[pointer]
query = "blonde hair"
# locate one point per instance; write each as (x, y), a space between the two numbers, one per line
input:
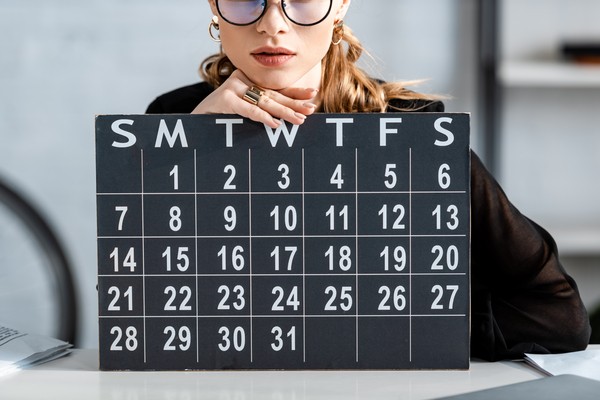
(345, 87)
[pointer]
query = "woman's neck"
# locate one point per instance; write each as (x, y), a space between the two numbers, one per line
(311, 80)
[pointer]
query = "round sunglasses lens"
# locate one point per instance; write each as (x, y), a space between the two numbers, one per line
(241, 12)
(307, 12)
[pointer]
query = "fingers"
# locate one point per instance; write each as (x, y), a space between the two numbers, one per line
(280, 106)
(291, 104)
(295, 98)
(256, 113)
(299, 93)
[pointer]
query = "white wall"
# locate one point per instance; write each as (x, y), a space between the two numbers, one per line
(551, 131)
(534, 29)
(64, 61)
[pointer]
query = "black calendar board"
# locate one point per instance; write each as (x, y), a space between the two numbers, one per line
(343, 243)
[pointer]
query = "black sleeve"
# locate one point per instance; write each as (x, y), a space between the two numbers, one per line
(522, 298)
(180, 101)
(155, 107)
(415, 105)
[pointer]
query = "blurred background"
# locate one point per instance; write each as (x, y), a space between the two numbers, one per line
(533, 111)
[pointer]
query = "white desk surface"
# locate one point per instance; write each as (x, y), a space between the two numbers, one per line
(77, 377)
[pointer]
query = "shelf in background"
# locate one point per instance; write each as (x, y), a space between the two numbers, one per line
(548, 74)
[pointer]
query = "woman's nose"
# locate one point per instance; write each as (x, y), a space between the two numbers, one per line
(273, 20)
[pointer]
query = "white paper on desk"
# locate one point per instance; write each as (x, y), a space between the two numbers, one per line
(21, 350)
(583, 363)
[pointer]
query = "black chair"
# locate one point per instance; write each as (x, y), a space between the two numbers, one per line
(37, 294)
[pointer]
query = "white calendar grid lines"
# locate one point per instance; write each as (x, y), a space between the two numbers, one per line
(294, 275)
(280, 236)
(291, 275)
(356, 239)
(250, 241)
(303, 268)
(196, 247)
(410, 254)
(304, 236)
(289, 316)
(289, 193)
(143, 254)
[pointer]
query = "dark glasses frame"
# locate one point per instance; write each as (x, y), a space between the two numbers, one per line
(282, 7)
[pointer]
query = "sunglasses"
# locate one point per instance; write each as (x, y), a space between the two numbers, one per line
(300, 12)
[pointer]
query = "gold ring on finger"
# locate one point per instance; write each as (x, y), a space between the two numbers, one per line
(253, 95)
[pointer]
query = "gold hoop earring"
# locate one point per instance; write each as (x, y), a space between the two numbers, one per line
(338, 30)
(214, 23)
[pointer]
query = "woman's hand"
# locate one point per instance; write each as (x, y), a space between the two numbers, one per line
(289, 104)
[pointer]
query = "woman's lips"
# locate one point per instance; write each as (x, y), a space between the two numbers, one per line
(272, 57)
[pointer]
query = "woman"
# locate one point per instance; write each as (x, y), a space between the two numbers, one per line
(286, 60)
